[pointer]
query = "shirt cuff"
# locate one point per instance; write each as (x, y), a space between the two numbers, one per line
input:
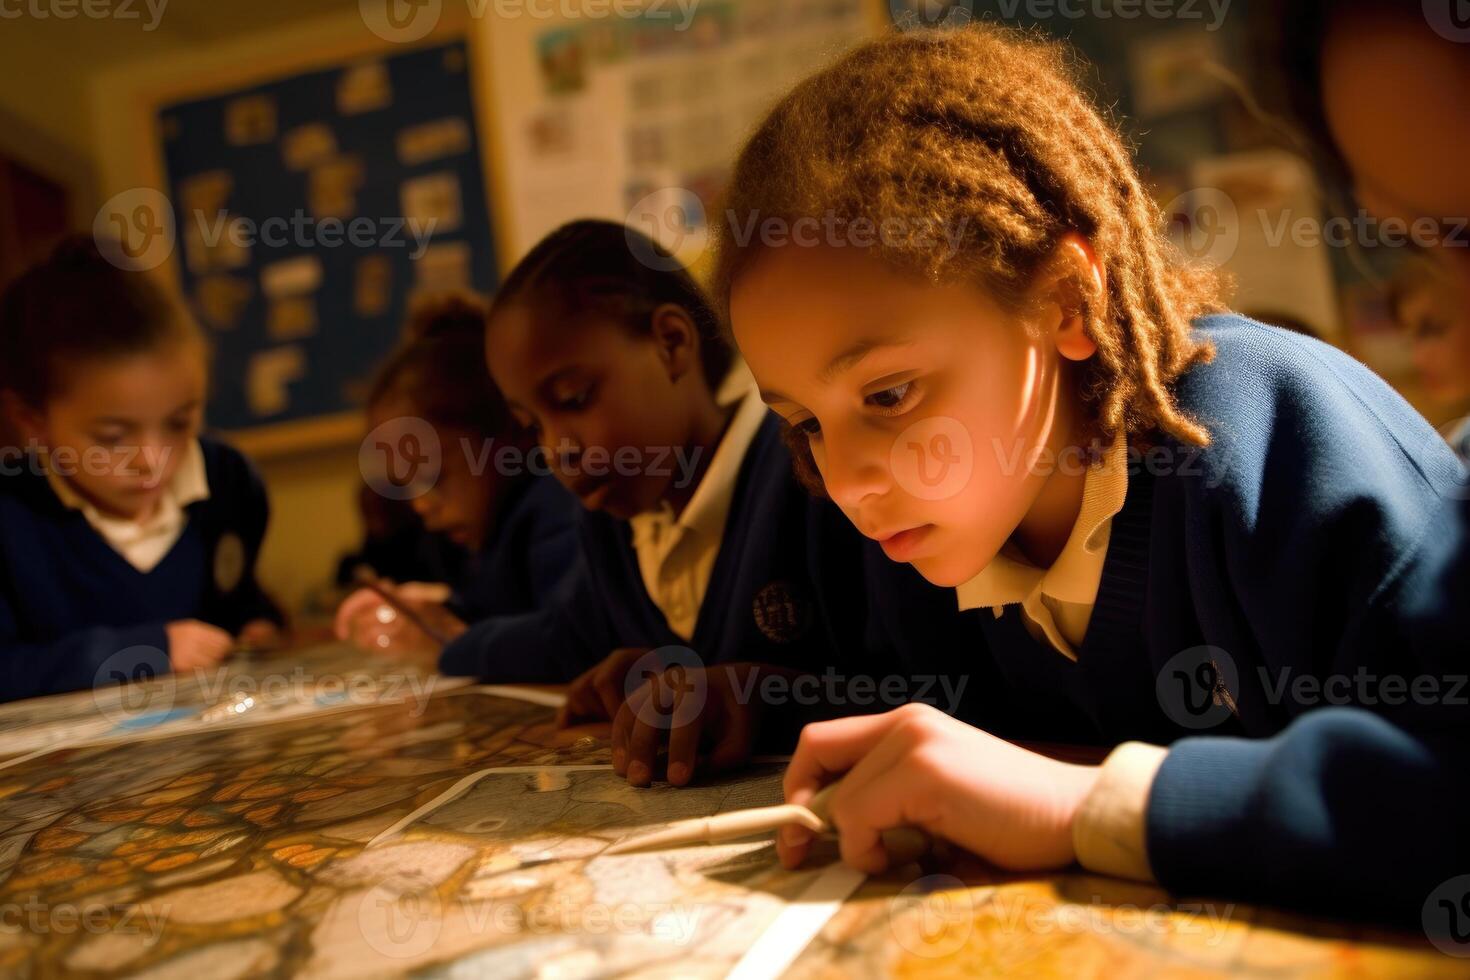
(1109, 833)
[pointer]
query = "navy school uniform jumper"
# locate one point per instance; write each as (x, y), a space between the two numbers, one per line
(74, 613)
(529, 552)
(1306, 541)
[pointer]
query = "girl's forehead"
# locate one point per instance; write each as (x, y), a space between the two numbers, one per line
(133, 385)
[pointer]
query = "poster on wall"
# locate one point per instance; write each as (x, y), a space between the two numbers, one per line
(640, 119)
(310, 211)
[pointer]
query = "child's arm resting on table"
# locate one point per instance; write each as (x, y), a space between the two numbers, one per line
(101, 656)
(550, 646)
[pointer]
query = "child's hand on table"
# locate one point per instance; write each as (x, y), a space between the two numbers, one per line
(193, 645)
(707, 716)
(260, 634)
(918, 767)
(598, 693)
(372, 624)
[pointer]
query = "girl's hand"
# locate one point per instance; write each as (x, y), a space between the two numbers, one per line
(366, 601)
(598, 693)
(193, 645)
(372, 624)
(260, 634)
(703, 714)
(918, 767)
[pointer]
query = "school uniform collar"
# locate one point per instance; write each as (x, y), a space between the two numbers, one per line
(1076, 573)
(189, 485)
(709, 507)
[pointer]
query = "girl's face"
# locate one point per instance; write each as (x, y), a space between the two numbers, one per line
(1393, 94)
(925, 407)
(1438, 321)
(118, 428)
(461, 502)
(609, 407)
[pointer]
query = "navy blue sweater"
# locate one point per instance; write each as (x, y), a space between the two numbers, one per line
(528, 553)
(75, 613)
(1247, 588)
(767, 599)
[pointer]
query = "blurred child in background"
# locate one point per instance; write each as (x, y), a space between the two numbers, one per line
(702, 555)
(127, 541)
(1435, 315)
(515, 527)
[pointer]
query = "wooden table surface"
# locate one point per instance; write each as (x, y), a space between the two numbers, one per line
(956, 916)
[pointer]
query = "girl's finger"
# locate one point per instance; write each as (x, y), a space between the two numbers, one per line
(622, 727)
(877, 794)
(684, 742)
(732, 747)
(827, 749)
(351, 608)
(643, 748)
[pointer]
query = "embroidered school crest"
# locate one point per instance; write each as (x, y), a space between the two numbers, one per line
(229, 562)
(781, 612)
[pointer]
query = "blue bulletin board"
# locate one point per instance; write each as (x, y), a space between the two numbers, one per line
(309, 210)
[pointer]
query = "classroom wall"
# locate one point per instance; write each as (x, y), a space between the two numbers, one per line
(314, 517)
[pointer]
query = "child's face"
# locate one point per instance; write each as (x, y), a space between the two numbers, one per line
(923, 404)
(603, 402)
(118, 428)
(1393, 93)
(1438, 322)
(460, 503)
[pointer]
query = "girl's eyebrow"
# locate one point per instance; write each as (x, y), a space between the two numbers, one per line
(849, 358)
(188, 406)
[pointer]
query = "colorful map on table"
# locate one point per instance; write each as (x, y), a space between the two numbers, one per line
(277, 686)
(460, 833)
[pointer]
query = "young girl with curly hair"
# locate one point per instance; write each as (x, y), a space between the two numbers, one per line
(1198, 532)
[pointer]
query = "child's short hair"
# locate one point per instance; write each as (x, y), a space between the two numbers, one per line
(439, 366)
(76, 305)
(609, 268)
(965, 156)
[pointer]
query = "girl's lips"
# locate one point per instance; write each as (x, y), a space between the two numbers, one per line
(904, 545)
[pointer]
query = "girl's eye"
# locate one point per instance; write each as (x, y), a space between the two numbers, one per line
(810, 428)
(890, 397)
(575, 402)
(107, 438)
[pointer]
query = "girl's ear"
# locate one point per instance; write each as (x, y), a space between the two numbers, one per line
(677, 339)
(1081, 286)
(25, 420)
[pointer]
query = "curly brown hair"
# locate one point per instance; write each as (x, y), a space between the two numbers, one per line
(987, 130)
